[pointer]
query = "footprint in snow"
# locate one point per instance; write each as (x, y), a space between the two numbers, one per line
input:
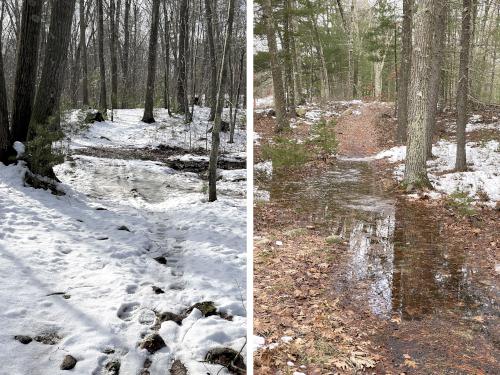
(126, 310)
(131, 289)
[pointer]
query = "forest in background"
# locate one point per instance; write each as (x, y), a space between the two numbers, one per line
(436, 56)
(115, 54)
(353, 49)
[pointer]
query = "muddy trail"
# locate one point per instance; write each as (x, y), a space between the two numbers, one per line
(408, 285)
(177, 158)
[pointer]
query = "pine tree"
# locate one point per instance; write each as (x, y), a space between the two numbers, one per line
(279, 93)
(404, 71)
(463, 86)
(415, 165)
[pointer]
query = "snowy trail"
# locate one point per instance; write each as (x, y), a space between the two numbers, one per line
(96, 248)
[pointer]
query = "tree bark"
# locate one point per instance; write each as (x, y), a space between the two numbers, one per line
(103, 104)
(4, 111)
(238, 91)
(214, 151)
(113, 54)
(279, 94)
(404, 71)
(350, 73)
(26, 70)
(166, 99)
(296, 61)
(181, 68)
(288, 60)
(493, 62)
(125, 57)
(83, 55)
(153, 42)
(45, 115)
(378, 67)
(415, 164)
(435, 78)
(325, 84)
(213, 59)
(463, 86)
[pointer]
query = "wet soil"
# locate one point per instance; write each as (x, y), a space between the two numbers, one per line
(170, 156)
(411, 283)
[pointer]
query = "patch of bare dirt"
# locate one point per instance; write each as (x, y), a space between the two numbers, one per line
(365, 129)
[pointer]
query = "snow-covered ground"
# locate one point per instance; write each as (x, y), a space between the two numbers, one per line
(80, 268)
(483, 160)
(128, 131)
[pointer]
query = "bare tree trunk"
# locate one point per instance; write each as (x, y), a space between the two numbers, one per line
(83, 55)
(288, 59)
(153, 42)
(4, 111)
(463, 86)
(181, 68)
(279, 94)
(213, 59)
(113, 54)
(350, 77)
(325, 84)
(415, 164)
(404, 71)
(103, 104)
(125, 58)
(296, 61)
(26, 69)
(45, 117)
(494, 59)
(378, 67)
(75, 76)
(238, 91)
(214, 151)
(166, 99)
(435, 78)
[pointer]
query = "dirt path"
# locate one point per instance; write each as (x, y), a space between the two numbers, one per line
(350, 277)
(359, 131)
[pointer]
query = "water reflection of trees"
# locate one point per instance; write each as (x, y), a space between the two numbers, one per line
(429, 275)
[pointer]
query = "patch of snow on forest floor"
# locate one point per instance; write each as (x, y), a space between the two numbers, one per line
(483, 160)
(128, 131)
(95, 248)
(266, 102)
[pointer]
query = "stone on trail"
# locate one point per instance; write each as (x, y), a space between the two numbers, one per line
(152, 343)
(207, 308)
(68, 363)
(157, 290)
(169, 316)
(227, 357)
(113, 367)
(161, 260)
(23, 339)
(50, 338)
(178, 368)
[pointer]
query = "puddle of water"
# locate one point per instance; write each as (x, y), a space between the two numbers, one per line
(121, 180)
(398, 262)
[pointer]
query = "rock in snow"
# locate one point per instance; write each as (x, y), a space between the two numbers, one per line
(68, 363)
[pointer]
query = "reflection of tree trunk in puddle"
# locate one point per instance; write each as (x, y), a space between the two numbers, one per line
(371, 259)
(428, 276)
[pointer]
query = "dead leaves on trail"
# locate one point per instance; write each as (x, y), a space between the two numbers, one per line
(292, 288)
